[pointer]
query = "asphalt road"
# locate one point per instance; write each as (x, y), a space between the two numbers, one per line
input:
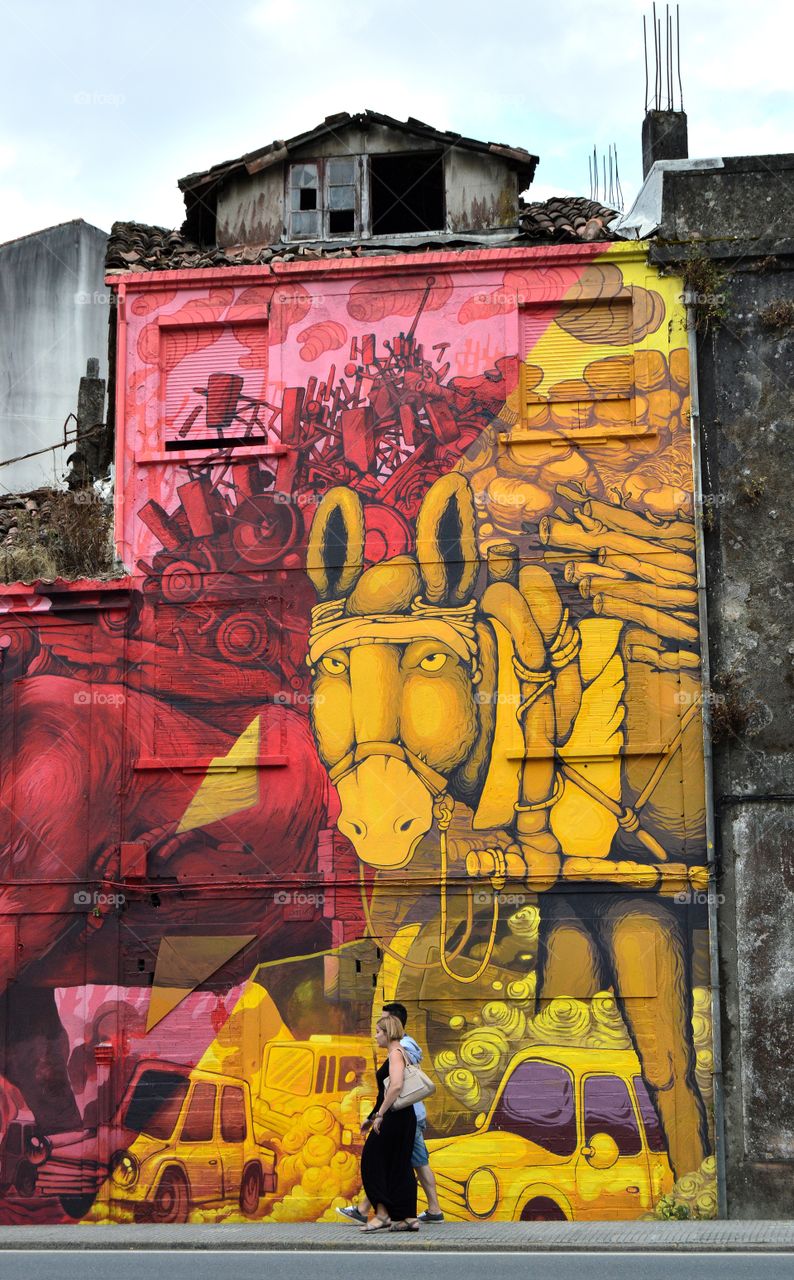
(246, 1264)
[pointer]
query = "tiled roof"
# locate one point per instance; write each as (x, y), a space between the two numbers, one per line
(133, 246)
(276, 152)
(136, 247)
(566, 219)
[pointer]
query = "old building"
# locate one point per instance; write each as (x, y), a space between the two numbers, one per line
(400, 697)
(53, 318)
(358, 176)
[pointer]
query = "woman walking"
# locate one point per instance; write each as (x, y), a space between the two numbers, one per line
(386, 1172)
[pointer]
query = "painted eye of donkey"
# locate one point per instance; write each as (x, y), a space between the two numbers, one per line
(433, 661)
(334, 666)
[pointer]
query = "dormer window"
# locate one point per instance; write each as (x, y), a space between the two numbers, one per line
(324, 198)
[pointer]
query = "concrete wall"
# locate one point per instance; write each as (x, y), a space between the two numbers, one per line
(481, 191)
(53, 317)
(746, 361)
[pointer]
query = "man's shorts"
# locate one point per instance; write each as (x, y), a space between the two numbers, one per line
(420, 1156)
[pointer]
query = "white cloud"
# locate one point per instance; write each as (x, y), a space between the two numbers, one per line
(193, 90)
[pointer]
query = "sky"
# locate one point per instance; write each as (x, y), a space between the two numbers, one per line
(103, 106)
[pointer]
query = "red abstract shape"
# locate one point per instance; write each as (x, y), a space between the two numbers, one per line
(146, 303)
(291, 304)
(256, 340)
(369, 301)
(493, 386)
(251, 304)
(197, 311)
(326, 335)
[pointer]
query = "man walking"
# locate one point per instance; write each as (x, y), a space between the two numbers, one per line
(420, 1157)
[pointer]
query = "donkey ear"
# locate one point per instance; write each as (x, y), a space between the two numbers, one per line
(335, 554)
(446, 546)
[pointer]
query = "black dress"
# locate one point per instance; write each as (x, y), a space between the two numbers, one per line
(386, 1159)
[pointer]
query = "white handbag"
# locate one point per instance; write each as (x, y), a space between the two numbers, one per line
(415, 1088)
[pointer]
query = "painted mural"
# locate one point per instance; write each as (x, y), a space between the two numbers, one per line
(399, 699)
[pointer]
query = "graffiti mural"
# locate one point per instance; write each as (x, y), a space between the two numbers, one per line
(398, 699)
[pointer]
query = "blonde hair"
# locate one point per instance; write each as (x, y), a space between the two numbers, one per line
(391, 1026)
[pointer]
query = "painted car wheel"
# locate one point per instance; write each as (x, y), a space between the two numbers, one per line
(77, 1206)
(172, 1200)
(250, 1190)
(542, 1209)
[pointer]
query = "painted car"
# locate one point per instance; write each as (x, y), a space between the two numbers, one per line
(182, 1138)
(571, 1134)
(297, 1074)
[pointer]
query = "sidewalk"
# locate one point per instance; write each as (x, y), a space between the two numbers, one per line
(472, 1237)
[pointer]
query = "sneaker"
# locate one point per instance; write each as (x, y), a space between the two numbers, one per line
(352, 1213)
(427, 1216)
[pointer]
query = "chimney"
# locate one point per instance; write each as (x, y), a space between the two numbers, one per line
(664, 137)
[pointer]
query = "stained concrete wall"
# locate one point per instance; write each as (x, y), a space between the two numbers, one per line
(53, 317)
(736, 220)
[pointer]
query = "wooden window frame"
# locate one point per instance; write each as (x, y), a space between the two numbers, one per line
(361, 209)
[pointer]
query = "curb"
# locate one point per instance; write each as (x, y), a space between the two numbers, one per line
(540, 1237)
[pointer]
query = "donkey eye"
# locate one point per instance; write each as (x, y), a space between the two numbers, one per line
(334, 666)
(433, 661)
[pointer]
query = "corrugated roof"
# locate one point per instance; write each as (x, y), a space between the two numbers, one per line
(276, 152)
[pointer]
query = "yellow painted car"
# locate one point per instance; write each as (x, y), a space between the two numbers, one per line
(182, 1138)
(297, 1074)
(571, 1134)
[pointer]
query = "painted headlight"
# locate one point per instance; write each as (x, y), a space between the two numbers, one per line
(482, 1193)
(124, 1169)
(37, 1148)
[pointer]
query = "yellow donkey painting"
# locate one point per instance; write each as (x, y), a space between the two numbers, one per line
(515, 740)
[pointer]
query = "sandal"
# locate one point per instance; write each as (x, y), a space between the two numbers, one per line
(384, 1224)
(404, 1226)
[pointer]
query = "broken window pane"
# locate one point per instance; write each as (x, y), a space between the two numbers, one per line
(308, 197)
(341, 221)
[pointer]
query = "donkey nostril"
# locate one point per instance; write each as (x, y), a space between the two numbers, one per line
(351, 828)
(405, 825)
